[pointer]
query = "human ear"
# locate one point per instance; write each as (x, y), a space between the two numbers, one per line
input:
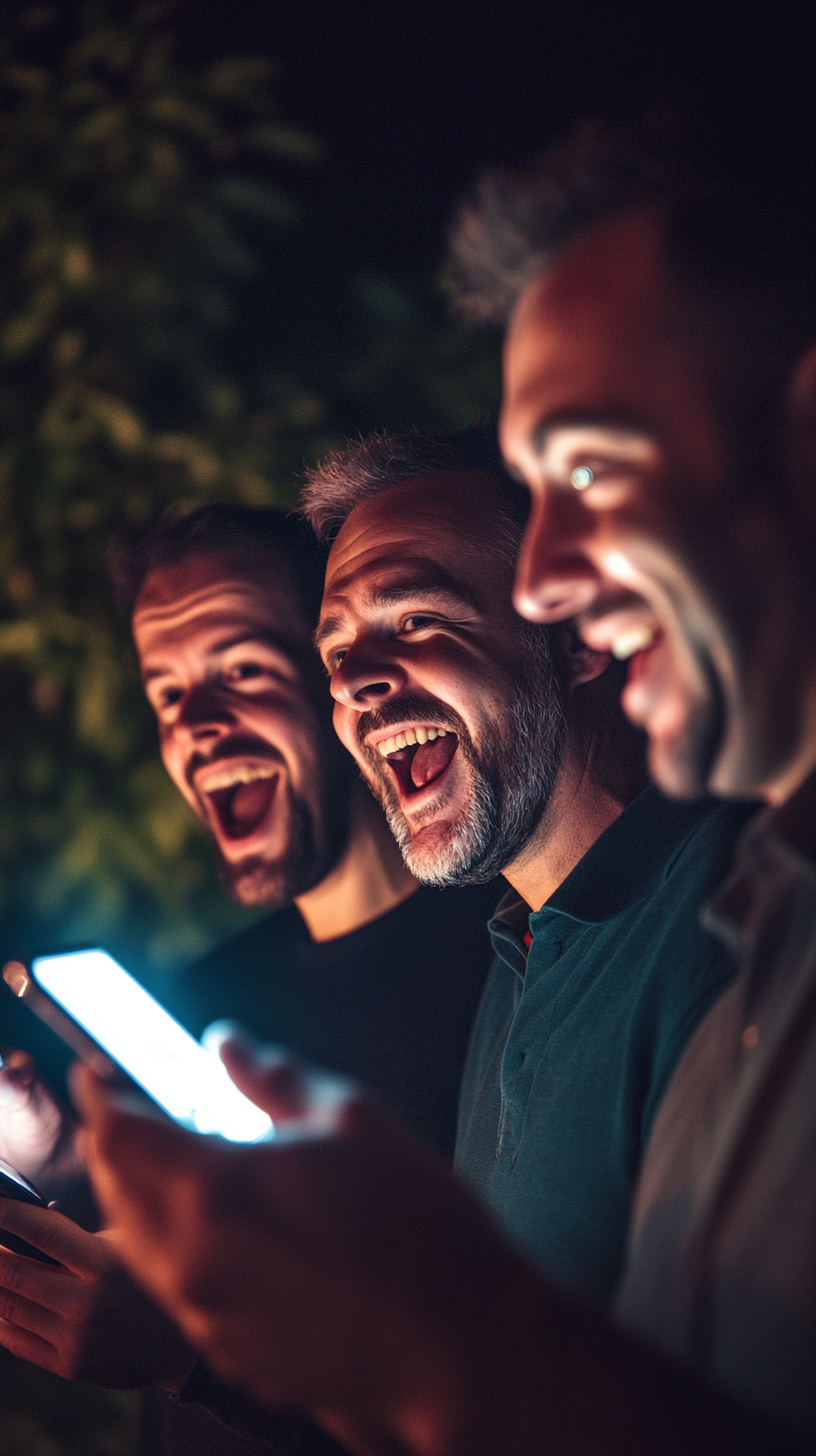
(583, 664)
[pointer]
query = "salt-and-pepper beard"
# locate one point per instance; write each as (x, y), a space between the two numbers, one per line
(512, 770)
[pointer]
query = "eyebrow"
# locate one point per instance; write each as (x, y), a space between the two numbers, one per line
(621, 424)
(398, 592)
(236, 639)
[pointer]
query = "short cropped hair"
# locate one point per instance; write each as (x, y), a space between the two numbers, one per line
(284, 537)
(362, 469)
(738, 213)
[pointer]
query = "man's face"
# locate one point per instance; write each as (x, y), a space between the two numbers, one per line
(448, 702)
(641, 522)
(228, 667)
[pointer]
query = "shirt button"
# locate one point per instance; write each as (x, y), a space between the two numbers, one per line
(750, 1037)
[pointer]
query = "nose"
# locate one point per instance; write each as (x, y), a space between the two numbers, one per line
(367, 677)
(204, 714)
(554, 577)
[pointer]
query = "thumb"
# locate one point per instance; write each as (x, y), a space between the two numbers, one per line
(288, 1088)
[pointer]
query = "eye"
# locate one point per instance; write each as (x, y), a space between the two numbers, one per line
(581, 477)
(244, 670)
(417, 621)
(168, 697)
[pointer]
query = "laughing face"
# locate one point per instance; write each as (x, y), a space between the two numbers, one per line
(449, 704)
(645, 523)
(244, 728)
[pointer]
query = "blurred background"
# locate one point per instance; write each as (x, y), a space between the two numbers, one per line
(221, 238)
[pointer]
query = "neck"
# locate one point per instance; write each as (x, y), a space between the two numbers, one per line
(578, 812)
(368, 880)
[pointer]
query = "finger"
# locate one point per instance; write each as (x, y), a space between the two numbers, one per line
(133, 1157)
(54, 1234)
(289, 1089)
(19, 1064)
(27, 1346)
(47, 1319)
(269, 1076)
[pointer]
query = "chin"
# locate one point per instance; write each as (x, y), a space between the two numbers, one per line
(258, 883)
(256, 887)
(680, 765)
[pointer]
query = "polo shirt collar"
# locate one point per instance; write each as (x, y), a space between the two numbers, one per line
(626, 864)
(507, 929)
(629, 861)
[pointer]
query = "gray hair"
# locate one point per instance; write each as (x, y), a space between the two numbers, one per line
(362, 469)
(739, 224)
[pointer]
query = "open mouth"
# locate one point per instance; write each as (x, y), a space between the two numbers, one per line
(418, 756)
(241, 797)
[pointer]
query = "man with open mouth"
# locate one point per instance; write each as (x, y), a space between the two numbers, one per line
(497, 746)
(357, 967)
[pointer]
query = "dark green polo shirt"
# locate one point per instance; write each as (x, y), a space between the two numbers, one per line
(576, 1039)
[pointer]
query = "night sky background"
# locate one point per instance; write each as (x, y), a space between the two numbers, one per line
(411, 100)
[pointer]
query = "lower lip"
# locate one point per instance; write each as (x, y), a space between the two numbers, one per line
(639, 669)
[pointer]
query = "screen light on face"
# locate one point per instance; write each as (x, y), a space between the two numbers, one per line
(187, 1080)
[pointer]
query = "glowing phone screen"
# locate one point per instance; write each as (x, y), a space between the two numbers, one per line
(187, 1080)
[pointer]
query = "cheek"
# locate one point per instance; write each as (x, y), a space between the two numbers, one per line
(173, 759)
(345, 726)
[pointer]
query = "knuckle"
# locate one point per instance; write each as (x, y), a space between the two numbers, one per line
(11, 1275)
(9, 1307)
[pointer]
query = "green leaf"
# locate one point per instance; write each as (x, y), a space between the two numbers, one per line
(284, 141)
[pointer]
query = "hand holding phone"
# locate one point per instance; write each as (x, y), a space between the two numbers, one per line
(84, 1319)
(14, 1186)
(102, 1011)
(35, 1127)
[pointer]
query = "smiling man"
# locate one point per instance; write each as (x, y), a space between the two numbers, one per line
(358, 966)
(660, 378)
(496, 746)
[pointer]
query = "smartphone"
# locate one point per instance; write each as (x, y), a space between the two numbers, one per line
(14, 1185)
(93, 1003)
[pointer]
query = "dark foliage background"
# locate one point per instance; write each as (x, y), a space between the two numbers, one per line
(141, 205)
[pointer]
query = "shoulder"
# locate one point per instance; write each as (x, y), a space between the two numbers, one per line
(708, 848)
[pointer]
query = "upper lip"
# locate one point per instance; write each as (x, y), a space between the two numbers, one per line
(602, 633)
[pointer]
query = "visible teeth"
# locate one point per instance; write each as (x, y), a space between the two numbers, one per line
(409, 738)
(632, 640)
(243, 773)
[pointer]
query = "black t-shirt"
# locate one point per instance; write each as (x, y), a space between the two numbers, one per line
(391, 1005)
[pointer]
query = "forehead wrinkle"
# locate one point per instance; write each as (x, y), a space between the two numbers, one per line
(427, 579)
(265, 637)
(182, 606)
